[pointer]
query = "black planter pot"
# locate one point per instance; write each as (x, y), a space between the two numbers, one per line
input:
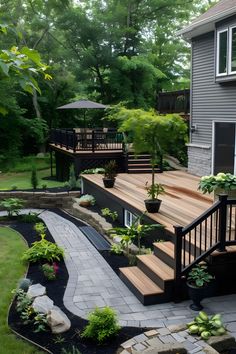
(152, 205)
(108, 182)
(198, 294)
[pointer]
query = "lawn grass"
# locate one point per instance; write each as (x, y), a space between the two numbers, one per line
(11, 270)
(22, 180)
(25, 163)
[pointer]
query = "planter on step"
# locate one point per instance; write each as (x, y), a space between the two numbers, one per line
(108, 182)
(152, 205)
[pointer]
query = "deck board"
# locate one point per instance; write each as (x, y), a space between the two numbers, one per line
(181, 203)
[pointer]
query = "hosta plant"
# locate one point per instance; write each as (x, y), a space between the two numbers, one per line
(224, 181)
(206, 326)
(43, 250)
(199, 276)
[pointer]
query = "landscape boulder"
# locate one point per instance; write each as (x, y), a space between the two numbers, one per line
(42, 304)
(58, 321)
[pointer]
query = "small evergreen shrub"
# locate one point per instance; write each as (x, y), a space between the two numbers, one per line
(102, 325)
(24, 284)
(34, 178)
(30, 218)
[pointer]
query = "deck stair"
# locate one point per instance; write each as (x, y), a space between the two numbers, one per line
(140, 164)
(152, 279)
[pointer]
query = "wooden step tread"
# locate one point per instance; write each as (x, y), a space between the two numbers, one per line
(140, 281)
(167, 247)
(157, 266)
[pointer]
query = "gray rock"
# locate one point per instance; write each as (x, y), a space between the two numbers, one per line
(58, 321)
(221, 343)
(209, 350)
(36, 290)
(42, 304)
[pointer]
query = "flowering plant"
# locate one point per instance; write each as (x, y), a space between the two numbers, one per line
(224, 181)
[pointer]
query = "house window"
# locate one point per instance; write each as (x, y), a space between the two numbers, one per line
(226, 52)
(232, 52)
(222, 49)
(130, 218)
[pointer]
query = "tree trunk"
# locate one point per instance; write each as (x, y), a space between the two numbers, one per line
(42, 147)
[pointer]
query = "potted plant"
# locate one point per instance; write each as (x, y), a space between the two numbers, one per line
(153, 191)
(86, 200)
(199, 283)
(110, 173)
(221, 183)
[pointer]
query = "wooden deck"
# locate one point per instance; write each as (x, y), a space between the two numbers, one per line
(181, 204)
(104, 150)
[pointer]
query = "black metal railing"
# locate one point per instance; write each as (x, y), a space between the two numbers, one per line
(213, 230)
(174, 102)
(87, 139)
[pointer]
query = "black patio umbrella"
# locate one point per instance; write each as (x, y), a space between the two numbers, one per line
(83, 104)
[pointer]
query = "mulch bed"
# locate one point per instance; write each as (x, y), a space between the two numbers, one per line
(55, 290)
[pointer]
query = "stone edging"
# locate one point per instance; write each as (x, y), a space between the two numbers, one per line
(175, 339)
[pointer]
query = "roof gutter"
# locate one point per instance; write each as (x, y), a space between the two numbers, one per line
(205, 21)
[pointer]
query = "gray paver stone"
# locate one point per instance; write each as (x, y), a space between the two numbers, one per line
(139, 347)
(140, 338)
(128, 343)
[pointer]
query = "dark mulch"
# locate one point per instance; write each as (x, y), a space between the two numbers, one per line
(48, 190)
(55, 290)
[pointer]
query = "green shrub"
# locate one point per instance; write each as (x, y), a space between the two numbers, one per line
(109, 213)
(206, 326)
(34, 178)
(49, 271)
(116, 248)
(92, 171)
(40, 228)
(12, 205)
(102, 325)
(86, 200)
(14, 187)
(30, 217)
(43, 250)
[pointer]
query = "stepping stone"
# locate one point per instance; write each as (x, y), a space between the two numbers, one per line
(36, 290)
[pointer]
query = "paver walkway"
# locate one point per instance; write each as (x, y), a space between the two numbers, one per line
(92, 282)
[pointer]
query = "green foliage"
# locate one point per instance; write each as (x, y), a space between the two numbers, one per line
(41, 229)
(110, 169)
(12, 205)
(92, 171)
(86, 199)
(24, 284)
(23, 302)
(73, 350)
(116, 249)
(13, 188)
(109, 213)
(59, 339)
(49, 271)
(224, 181)
(102, 325)
(31, 217)
(135, 231)
(40, 323)
(43, 250)
(73, 183)
(206, 326)
(154, 190)
(34, 178)
(199, 276)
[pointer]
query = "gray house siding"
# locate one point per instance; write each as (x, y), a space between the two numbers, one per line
(210, 101)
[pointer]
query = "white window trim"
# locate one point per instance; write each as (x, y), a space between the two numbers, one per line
(218, 74)
(230, 51)
(132, 217)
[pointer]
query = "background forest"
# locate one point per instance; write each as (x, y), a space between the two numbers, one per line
(110, 51)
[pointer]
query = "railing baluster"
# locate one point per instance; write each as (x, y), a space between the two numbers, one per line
(178, 262)
(195, 242)
(189, 248)
(222, 222)
(205, 234)
(211, 230)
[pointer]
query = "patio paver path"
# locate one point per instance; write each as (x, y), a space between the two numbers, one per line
(92, 282)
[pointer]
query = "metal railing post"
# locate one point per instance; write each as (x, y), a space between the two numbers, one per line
(222, 222)
(178, 263)
(93, 141)
(74, 141)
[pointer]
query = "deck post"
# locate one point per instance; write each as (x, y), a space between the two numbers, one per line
(93, 141)
(74, 141)
(222, 221)
(178, 263)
